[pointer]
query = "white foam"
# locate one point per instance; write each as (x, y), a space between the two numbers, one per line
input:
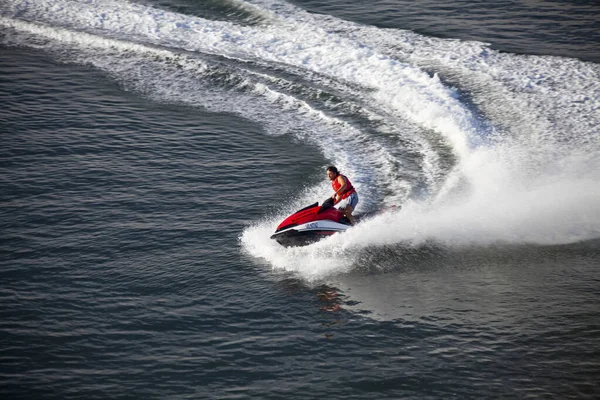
(525, 148)
(393, 86)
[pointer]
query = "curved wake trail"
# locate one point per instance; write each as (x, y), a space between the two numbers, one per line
(481, 147)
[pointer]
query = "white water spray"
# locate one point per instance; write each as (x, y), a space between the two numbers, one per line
(529, 173)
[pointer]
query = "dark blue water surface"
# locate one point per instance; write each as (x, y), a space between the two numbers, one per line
(139, 186)
(546, 27)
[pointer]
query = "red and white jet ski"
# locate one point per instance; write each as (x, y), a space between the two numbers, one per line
(310, 225)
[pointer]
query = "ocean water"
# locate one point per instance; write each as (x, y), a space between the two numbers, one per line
(150, 148)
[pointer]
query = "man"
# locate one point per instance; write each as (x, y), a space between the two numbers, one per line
(344, 193)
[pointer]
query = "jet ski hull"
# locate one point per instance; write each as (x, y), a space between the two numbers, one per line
(305, 234)
(310, 225)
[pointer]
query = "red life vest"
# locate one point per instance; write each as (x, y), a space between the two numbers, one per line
(349, 188)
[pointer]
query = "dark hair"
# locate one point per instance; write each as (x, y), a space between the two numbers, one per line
(333, 169)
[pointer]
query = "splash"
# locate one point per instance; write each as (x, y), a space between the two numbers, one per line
(480, 147)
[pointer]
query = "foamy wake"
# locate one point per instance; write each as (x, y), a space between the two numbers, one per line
(519, 162)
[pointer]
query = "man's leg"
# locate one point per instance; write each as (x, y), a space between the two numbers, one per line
(348, 213)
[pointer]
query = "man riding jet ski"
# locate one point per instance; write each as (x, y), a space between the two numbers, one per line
(313, 223)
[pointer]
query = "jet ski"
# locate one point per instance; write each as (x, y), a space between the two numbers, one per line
(311, 224)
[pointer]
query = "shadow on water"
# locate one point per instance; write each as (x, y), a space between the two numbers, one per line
(470, 286)
(433, 288)
(434, 257)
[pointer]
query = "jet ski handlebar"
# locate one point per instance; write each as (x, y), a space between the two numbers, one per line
(326, 204)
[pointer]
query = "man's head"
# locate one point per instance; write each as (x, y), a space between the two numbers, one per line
(332, 172)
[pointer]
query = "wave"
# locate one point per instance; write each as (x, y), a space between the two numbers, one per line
(479, 146)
